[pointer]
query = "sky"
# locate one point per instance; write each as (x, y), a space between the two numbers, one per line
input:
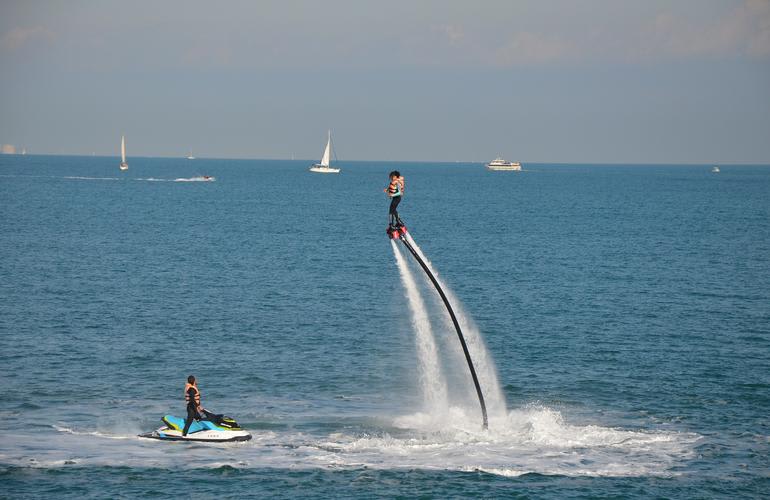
(578, 81)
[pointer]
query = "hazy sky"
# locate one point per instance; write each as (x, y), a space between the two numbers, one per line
(539, 81)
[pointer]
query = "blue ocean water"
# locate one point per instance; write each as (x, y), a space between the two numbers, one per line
(625, 310)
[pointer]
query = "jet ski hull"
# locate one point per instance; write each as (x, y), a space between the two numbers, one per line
(208, 436)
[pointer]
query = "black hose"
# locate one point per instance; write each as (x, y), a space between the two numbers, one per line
(457, 327)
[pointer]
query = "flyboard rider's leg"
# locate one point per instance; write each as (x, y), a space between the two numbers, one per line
(394, 218)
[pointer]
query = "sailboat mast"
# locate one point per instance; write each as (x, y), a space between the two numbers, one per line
(123, 149)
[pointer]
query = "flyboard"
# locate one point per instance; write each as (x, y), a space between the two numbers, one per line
(398, 232)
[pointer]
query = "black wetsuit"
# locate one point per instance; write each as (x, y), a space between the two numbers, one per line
(193, 397)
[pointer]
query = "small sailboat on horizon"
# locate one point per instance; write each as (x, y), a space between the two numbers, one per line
(190, 156)
(123, 164)
(323, 167)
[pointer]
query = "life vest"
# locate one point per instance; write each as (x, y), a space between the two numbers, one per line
(394, 189)
(197, 398)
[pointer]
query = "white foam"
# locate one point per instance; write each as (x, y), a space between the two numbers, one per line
(534, 439)
(482, 361)
(82, 178)
(433, 385)
(199, 178)
(68, 430)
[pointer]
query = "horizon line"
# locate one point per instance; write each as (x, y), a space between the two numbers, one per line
(432, 162)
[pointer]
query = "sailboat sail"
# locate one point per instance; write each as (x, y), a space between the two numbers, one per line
(123, 164)
(327, 152)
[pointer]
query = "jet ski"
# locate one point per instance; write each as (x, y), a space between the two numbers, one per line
(211, 428)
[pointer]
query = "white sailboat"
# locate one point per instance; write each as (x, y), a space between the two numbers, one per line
(123, 164)
(190, 156)
(323, 167)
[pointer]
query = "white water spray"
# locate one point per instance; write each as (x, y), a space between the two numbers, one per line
(482, 361)
(431, 380)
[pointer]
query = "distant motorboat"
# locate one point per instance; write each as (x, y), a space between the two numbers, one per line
(123, 164)
(323, 167)
(715, 169)
(500, 164)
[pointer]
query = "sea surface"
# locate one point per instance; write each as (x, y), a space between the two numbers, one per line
(619, 316)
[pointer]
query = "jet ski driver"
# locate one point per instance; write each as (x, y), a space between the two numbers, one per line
(193, 397)
(395, 190)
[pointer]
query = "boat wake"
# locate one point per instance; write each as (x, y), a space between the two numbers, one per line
(199, 178)
(534, 439)
(531, 440)
(83, 178)
(67, 430)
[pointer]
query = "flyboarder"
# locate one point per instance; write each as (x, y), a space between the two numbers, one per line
(395, 191)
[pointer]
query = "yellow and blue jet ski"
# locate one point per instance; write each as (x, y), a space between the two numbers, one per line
(211, 428)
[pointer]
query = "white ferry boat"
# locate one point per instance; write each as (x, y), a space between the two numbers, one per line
(500, 164)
